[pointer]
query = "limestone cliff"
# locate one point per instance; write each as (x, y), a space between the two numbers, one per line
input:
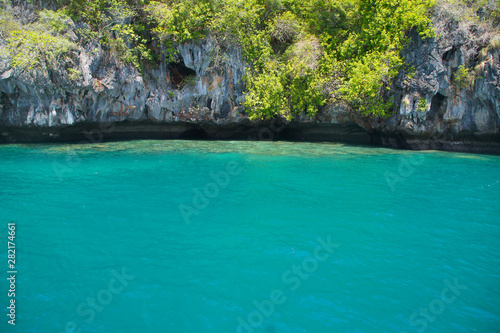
(199, 94)
(453, 100)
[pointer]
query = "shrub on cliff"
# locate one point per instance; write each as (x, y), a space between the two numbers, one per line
(362, 38)
(35, 47)
(301, 53)
(32, 49)
(109, 23)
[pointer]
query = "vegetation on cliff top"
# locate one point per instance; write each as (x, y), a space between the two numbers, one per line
(302, 53)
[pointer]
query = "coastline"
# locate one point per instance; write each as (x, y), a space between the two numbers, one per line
(246, 130)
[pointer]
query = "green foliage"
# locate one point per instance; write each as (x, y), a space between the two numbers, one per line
(36, 49)
(359, 55)
(74, 74)
(7, 24)
(57, 21)
(37, 45)
(179, 21)
(302, 53)
(327, 16)
(287, 88)
(133, 55)
(188, 80)
(235, 21)
(259, 50)
(422, 105)
(105, 21)
(495, 13)
(100, 15)
(266, 96)
(367, 78)
(463, 77)
(283, 31)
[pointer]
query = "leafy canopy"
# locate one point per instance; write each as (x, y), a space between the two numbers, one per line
(302, 54)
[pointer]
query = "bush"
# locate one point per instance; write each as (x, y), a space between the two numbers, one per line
(37, 49)
(285, 89)
(301, 53)
(74, 74)
(100, 15)
(422, 105)
(463, 77)
(56, 21)
(308, 49)
(369, 80)
(236, 21)
(283, 31)
(124, 34)
(179, 21)
(266, 97)
(8, 24)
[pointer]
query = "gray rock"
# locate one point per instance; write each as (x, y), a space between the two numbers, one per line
(204, 88)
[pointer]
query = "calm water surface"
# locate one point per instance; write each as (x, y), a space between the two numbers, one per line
(275, 237)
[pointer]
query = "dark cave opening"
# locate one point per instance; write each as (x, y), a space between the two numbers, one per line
(449, 54)
(178, 73)
(195, 133)
(438, 107)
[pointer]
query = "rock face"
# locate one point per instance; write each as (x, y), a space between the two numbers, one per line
(200, 94)
(190, 88)
(453, 100)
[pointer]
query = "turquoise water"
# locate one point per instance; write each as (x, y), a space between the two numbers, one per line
(275, 237)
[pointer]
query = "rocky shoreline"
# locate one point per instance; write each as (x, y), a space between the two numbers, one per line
(348, 133)
(200, 96)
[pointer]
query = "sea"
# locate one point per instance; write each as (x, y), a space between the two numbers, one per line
(247, 237)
